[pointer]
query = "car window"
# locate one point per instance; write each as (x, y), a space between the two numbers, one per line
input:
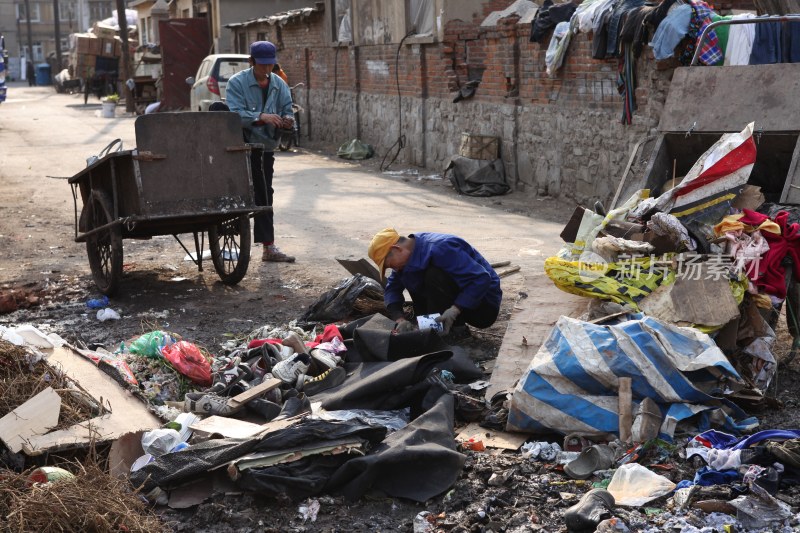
(202, 72)
(228, 67)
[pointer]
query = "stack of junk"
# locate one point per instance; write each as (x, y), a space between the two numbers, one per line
(647, 393)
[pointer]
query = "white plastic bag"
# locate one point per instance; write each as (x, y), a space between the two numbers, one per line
(160, 441)
(634, 485)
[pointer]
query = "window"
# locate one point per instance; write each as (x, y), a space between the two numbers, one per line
(419, 16)
(22, 16)
(66, 11)
(341, 27)
(228, 67)
(64, 44)
(99, 10)
(38, 52)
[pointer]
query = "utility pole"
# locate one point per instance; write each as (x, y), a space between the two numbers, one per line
(122, 20)
(30, 34)
(57, 25)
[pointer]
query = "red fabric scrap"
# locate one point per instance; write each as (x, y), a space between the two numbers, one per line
(770, 276)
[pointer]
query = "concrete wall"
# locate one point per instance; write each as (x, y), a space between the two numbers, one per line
(560, 136)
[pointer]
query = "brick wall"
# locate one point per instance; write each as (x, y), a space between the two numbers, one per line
(560, 136)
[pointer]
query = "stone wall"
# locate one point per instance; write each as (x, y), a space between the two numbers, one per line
(561, 136)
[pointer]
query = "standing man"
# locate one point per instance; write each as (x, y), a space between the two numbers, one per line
(263, 101)
(443, 274)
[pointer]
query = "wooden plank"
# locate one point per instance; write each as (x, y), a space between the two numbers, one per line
(127, 413)
(625, 415)
(492, 438)
(227, 427)
(34, 417)
(236, 429)
(249, 394)
(530, 323)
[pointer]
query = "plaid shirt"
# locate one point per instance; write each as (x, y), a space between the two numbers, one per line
(710, 52)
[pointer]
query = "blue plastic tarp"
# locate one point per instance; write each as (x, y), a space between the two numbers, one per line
(571, 386)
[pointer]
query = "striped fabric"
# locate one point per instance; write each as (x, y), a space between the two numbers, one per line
(571, 384)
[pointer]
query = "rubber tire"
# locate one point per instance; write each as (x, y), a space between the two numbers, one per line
(223, 237)
(104, 249)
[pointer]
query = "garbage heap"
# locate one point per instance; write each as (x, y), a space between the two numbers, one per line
(686, 288)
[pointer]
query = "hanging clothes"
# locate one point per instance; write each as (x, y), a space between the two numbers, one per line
(621, 10)
(548, 16)
(701, 16)
(671, 32)
(723, 33)
(589, 12)
(740, 41)
(635, 30)
(767, 44)
(791, 42)
(626, 83)
(558, 47)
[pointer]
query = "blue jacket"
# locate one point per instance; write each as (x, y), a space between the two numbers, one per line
(245, 97)
(473, 274)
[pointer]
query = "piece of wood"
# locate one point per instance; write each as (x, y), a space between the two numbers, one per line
(236, 429)
(127, 414)
(500, 264)
(249, 394)
(532, 318)
(492, 438)
(508, 272)
(227, 427)
(363, 267)
(709, 302)
(625, 414)
(35, 417)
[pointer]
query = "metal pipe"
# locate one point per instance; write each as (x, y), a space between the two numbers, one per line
(757, 20)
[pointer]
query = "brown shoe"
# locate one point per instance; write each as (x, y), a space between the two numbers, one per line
(272, 254)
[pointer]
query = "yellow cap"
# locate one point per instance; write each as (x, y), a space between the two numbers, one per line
(379, 248)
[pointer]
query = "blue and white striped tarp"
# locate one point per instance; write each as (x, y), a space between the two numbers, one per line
(571, 384)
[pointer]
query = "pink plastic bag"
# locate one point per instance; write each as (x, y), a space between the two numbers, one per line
(186, 358)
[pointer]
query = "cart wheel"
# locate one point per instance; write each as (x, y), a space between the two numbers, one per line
(229, 243)
(285, 143)
(105, 247)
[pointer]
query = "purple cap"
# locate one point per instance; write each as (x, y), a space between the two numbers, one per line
(263, 53)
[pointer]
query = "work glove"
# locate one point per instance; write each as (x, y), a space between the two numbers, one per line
(448, 318)
(404, 326)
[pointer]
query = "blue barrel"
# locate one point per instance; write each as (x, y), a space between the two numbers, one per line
(42, 74)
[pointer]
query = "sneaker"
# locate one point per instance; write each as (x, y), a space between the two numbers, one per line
(208, 404)
(291, 369)
(264, 408)
(294, 342)
(231, 377)
(272, 254)
(325, 359)
(294, 406)
(591, 509)
(329, 379)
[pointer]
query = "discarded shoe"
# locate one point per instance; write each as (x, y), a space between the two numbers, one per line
(272, 254)
(294, 406)
(597, 457)
(291, 369)
(330, 378)
(208, 404)
(265, 408)
(591, 509)
(294, 342)
(233, 377)
(788, 451)
(326, 359)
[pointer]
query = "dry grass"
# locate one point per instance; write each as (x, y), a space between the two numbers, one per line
(93, 501)
(20, 381)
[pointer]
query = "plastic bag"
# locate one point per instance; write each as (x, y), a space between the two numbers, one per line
(338, 303)
(160, 441)
(355, 149)
(151, 344)
(186, 358)
(634, 485)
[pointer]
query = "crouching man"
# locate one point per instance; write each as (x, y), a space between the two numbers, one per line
(442, 273)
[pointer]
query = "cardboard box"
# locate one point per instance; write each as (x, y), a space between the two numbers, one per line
(103, 31)
(95, 46)
(83, 44)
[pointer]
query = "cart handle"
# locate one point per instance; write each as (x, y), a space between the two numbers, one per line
(245, 148)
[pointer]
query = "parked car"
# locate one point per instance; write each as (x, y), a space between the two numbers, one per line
(212, 77)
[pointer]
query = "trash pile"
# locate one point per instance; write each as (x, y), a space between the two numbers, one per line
(677, 345)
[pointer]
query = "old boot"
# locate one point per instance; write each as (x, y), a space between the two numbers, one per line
(590, 510)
